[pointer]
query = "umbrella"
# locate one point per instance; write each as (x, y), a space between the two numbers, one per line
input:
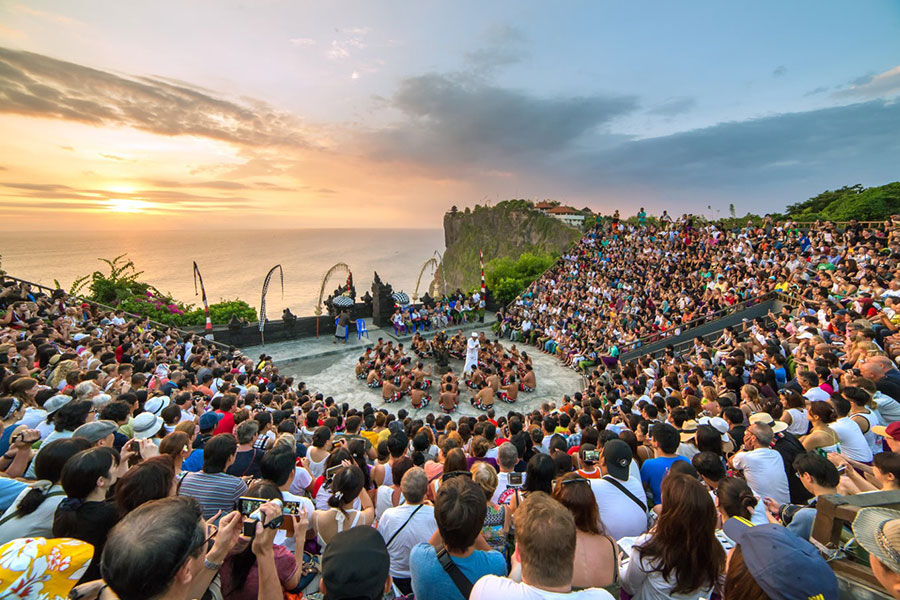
(342, 301)
(400, 297)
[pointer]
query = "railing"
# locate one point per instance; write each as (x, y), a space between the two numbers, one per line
(155, 324)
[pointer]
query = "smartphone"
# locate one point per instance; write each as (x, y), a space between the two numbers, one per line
(591, 456)
(330, 473)
(134, 445)
(514, 480)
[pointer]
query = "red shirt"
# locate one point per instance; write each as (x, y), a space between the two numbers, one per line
(226, 423)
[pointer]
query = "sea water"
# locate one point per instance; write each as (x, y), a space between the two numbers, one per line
(233, 263)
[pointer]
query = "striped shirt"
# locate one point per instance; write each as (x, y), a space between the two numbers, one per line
(214, 491)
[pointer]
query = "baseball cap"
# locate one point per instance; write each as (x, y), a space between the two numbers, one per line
(617, 456)
(208, 421)
(764, 417)
(146, 425)
(891, 431)
(355, 564)
(783, 564)
(95, 430)
(878, 531)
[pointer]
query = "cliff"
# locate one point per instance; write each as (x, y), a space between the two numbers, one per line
(505, 230)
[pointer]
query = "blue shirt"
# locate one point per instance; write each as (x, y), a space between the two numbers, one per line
(431, 582)
(653, 471)
(194, 462)
(9, 491)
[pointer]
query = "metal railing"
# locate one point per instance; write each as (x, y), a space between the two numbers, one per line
(156, 324)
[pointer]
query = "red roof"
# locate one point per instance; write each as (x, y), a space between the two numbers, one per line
(543, 205)
(563, 210)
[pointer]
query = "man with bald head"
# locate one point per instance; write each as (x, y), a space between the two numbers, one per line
(884, 373)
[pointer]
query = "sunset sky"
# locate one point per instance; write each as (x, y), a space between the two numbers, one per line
(286, 114)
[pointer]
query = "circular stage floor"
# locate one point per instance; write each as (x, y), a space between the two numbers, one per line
(333, 375)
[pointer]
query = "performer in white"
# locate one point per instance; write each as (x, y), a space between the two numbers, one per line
(472, 347)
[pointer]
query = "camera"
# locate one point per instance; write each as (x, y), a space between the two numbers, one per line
(591, 456)
(515, 480)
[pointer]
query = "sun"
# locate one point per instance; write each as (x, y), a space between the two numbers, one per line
(127, 205)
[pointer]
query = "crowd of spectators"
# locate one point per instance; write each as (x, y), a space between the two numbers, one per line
(142, 464)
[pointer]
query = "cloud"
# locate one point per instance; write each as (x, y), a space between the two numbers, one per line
(504, 45)
(819, 145)
(115, 157)
(302, 41)
(817, 91)
(882, 85)
(780, 71)
(40, 86)
(673, 106)
(458, 120)
(218, 185)
(354, 39)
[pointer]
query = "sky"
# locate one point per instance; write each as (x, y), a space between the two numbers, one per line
(183, 114)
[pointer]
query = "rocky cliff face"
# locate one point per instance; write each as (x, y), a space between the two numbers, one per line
(505, 230)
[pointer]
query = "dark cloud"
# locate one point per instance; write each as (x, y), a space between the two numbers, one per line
(673, 106)
(457, 120)
(855, 142)
(326, 191)
(780, 71)
(36, 85)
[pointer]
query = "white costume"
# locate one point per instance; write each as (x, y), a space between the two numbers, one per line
(472, 347)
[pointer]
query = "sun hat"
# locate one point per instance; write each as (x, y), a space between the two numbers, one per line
(766, 418)
(474, 334)
(688, 430)
(146, 425)
(95, 430)
(878, 531)
(617, 455)
(891, 431)
(156, 404)
(49, 568)
(355, 564)
(783, 564)
(54, 403)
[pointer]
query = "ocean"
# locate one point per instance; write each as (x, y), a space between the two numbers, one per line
(233, 263)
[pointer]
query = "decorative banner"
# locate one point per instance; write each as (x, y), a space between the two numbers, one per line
(481, 259)
(262, 302)
(349, 281)
(198, 276)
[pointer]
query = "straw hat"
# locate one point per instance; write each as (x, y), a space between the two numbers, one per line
(764, 417)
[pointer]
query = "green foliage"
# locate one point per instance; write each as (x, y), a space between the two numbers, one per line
(121, 288)
(849, 202)
(507, 278)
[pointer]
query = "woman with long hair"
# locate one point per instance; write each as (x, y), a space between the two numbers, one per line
(596, 561)
(347, 487)
(31, 513)
(540, 473)
(85, 514)
(794, 413)
(240, 573)
(680, 556)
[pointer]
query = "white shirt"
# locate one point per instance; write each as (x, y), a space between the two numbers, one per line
(888, 408)
(384, 499)
(763, 469)
(418, 530)
(853, 443)
(491, 587)
(817, 394)
(620, 515)
(645, 583)
(502, 486)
